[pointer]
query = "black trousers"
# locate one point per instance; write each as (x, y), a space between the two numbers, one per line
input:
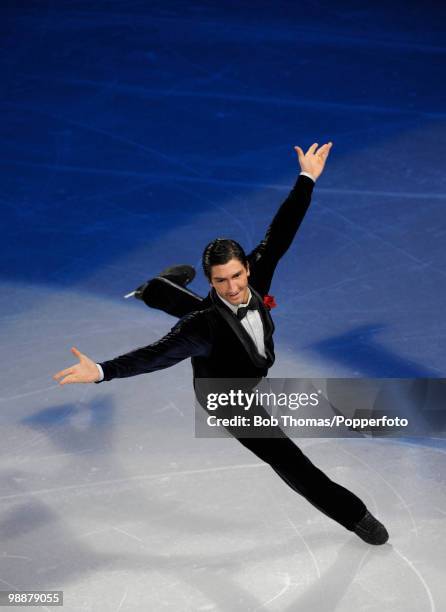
(290, 463)
(271, 444)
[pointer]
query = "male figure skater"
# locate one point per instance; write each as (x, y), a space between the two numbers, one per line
(229, 334)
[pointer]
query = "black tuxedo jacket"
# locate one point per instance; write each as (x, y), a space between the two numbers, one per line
(212, 336)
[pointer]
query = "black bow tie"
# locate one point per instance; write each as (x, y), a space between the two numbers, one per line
(242, 310)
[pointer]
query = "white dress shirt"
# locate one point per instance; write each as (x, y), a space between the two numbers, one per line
(252, 322)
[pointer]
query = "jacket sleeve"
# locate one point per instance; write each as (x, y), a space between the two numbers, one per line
(190, 337)
(280, 234)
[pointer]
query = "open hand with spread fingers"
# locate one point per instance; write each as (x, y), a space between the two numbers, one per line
(86, 371)
(313, 161)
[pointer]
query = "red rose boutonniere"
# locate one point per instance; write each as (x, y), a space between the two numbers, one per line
(269, 301)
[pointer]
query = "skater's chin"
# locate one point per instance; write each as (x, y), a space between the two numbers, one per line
(235, 298)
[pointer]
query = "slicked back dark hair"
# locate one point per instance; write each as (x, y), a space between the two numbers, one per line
(219, 252)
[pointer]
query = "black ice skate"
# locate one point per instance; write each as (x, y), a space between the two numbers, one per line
(167, 291)
(371, 530)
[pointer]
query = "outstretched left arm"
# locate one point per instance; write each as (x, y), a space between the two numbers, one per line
(280, 234)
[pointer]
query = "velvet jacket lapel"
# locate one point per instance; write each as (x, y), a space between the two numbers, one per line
(245, 339)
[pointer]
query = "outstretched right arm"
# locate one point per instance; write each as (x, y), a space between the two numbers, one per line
(189, 338)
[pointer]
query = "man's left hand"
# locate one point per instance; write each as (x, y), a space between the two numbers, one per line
(313, 161)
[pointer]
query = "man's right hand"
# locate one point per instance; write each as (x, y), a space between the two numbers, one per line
(86, 371)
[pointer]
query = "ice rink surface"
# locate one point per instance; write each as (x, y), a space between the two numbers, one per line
(132, 134)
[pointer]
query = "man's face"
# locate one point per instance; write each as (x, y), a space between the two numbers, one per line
(230, 281)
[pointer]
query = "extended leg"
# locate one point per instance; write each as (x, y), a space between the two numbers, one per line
(337, 502)
(290, 463)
